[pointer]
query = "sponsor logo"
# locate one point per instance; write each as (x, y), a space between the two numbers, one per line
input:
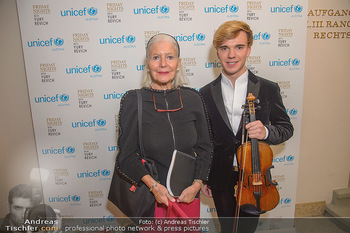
(254, 60)
(292, 112)
(84, 69)
(41, 9)
(214, 64)
(115, 7)
(191, 37)
(211, 210)
(114, 95)
(279, 178)
(60, 172)
(46, 72)
(189, 61)
(149, 35)
(92, 11)
(289, 62)
(287, 160)
(109, 218)
(39, 13)
(184, 11)
(112, 148)
(152, 10)
(90, 145)
(284, 84)
(90, 149)
(94, 198)
(47, 67)
(89, 124)
(53, 122)
(46, 43)
(287, 9)
(254, 5)
(140, 67)
(221, 9)
(118, 64)
(69, 198)
(113, 10)
(285, 201)
(84, 97)
(55, 151)
(81, 37)
(52, 99)
(262, 36)
(285, 32)
(186, 6)
(98, 173)
(118, 40)
(85, 93)
(95, 194)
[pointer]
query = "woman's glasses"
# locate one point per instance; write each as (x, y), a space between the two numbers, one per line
(167, 110)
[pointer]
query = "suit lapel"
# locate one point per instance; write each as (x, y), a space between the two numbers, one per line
(253, 84)
(217, 96)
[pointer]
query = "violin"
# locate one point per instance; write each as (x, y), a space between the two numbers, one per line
(256, 191)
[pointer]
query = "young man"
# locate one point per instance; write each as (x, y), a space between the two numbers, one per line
(224, 98)
(21, 198)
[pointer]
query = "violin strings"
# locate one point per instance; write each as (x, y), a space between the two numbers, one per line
(241, 182)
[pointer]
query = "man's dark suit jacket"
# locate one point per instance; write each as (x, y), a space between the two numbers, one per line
(272, 114)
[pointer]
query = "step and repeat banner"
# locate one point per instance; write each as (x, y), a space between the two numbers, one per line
(82, 56)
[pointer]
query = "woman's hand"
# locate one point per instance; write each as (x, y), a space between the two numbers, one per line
(161, 194)
(189, 194)
(159, 191)
(206, 191)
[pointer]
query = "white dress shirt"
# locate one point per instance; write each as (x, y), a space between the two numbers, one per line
(234, 97)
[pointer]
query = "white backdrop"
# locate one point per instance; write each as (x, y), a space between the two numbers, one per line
(82, 56)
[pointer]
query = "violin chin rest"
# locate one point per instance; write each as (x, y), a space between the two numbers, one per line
(251, 209)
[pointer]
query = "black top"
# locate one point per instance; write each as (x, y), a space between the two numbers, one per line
(189, 125)
(6, 222)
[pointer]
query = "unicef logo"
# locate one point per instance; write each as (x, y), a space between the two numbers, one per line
(130, 39)
(266, 36)
(200, 37)
(96, 68)
(92, 11)
(296, 62)
(287, 201)
(292, 111)
(70, 150)
(76, 198)
(58, 42)
(290, 158)
(106, 172)
(298, 9)
(164, 9)
(101, 122)
(234, 8)
(110, 218)
(64, 97)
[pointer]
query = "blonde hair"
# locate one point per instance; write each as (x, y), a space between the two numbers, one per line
(229, 30)
(180, 77)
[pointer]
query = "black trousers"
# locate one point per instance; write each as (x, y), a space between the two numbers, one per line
(225, 204)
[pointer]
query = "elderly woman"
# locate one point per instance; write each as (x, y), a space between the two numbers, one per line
(173, 117)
